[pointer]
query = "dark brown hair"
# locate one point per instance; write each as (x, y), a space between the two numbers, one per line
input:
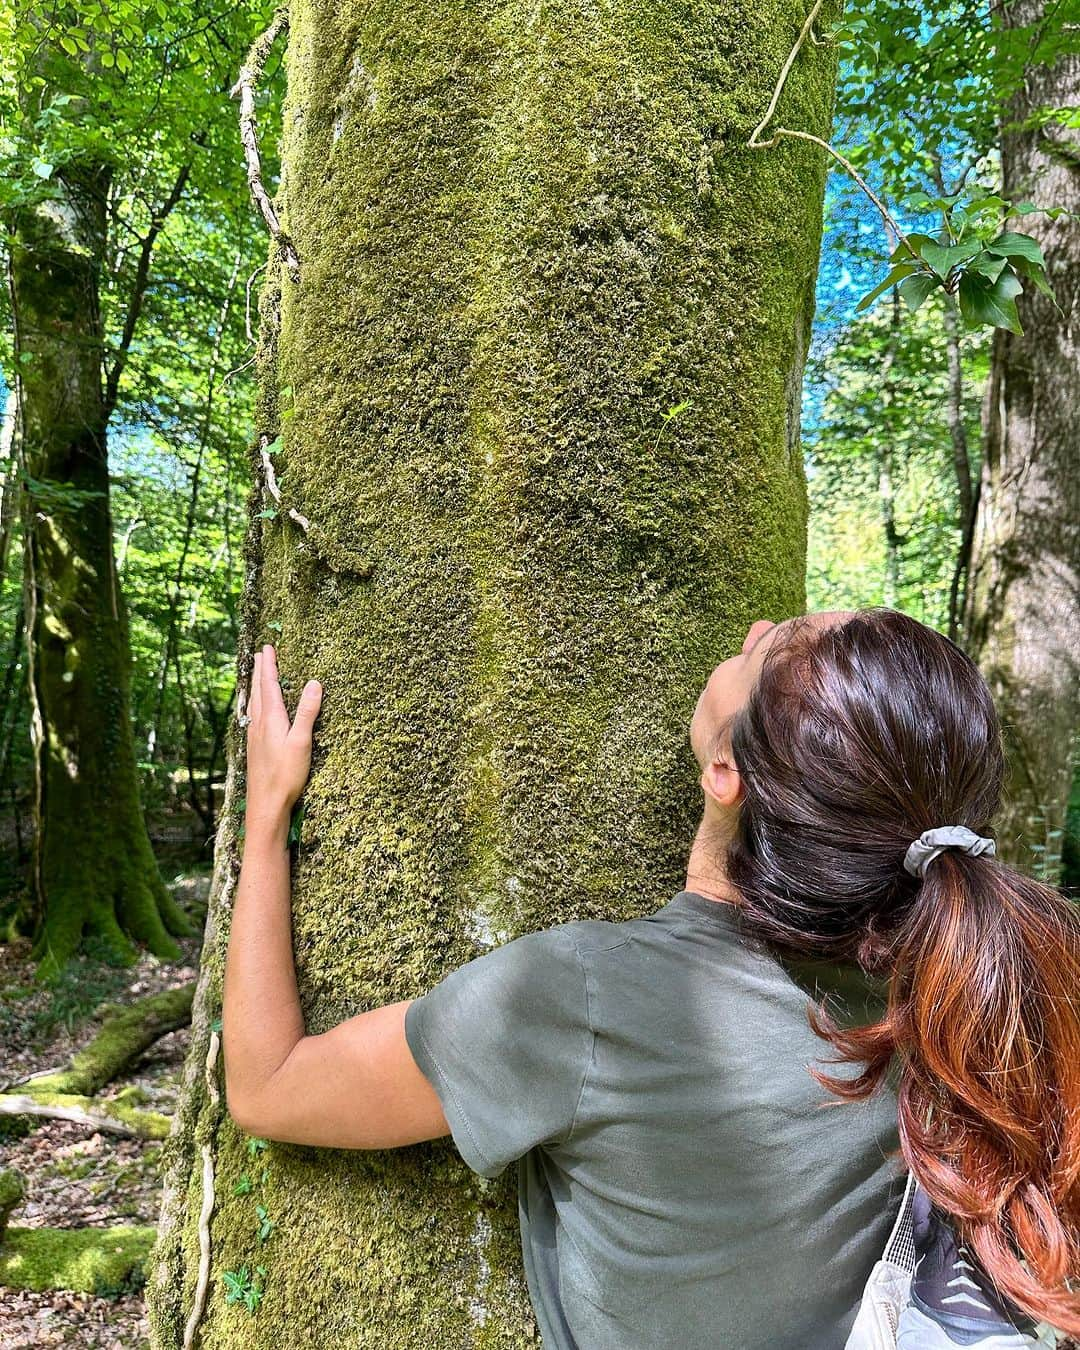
(855, 739)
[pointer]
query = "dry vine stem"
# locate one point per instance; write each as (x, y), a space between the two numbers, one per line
(756, 143)
(250, 73)
(274, 490)
(207, 1208)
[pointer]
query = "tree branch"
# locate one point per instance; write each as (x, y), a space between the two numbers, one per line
(138, 290)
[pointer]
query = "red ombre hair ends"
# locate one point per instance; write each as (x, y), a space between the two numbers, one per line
(856, 738)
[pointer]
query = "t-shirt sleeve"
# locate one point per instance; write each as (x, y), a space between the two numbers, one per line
(506, 1043)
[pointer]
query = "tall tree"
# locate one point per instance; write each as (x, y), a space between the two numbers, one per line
(528, 461)
(1023, 614)
(93, 869)
(107, 128)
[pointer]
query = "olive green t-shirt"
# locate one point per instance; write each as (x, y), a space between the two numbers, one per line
(682, 1180)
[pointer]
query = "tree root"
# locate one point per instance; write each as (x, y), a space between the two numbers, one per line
(124, 1035)
(107, 1116)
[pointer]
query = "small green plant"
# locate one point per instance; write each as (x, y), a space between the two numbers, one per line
(670, 416)
(244, 1186)
(971, 258)
(244, 1286)
(295, 823)
(266, 1224)
(75, 992)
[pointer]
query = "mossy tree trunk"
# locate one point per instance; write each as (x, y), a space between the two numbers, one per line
(93, 870)
(1023, 612)
(525, 237)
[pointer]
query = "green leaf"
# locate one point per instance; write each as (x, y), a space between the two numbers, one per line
(42, 168)
(244, 1186)
(69, 45)
(215, 1025)
(943, 260)
(988, 265)
(274, 446)
(910, 247)
(898, 273)
(1034, 272)
(294, 826)
(268, 514)
(275, 624)
(915, 289)
(983, 302)
(1012, 245)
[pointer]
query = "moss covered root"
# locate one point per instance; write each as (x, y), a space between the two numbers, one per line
(125, 1034)
(105, 1262)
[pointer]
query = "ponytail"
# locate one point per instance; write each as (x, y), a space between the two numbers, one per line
(983, 1014)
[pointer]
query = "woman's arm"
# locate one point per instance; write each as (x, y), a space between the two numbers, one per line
(355, 1086)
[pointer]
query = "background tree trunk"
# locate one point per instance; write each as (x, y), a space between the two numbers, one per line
(522, 246)
(1024, 598)
(93, 869)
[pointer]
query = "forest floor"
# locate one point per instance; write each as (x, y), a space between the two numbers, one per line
(76, 1177)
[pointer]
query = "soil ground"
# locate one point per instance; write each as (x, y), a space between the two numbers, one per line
(77, 1178)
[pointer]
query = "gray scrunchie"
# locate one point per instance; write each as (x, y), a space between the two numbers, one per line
(930, 843)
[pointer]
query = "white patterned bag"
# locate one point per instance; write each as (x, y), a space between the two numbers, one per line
(926, 1292)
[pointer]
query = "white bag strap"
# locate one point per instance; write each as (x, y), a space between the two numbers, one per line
(899, 1250)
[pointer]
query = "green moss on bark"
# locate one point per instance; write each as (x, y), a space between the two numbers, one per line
(522, 242)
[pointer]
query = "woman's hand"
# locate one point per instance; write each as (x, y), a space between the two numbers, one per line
(278, 755)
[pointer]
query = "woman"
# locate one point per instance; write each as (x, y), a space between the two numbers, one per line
(685, 1179)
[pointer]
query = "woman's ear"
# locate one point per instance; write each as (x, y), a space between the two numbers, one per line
(722, 782)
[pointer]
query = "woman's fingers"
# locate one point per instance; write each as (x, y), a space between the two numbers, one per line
(255, 691)
(307, 710)
(271, 700)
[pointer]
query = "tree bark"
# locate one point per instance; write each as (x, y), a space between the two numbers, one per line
(93, 869)
(1023, 611)
(511, 563)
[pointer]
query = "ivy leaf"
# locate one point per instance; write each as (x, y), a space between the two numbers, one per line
(274, 446)
(42, 168)
(898, 273)
(1035, 273)
(268, 514)
(244, 1186)
(911, 246)
(991, 303)
(943, 260)
(988, 265)
(294, 826)
(1012, 245)
(915, 289)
